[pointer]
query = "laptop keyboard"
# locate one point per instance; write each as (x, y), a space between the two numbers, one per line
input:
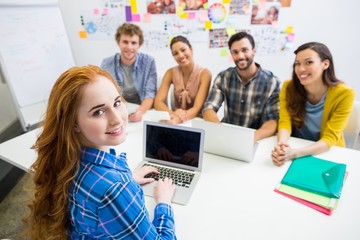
(180, 178)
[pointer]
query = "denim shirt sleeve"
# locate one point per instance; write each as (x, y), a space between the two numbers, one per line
(111, 65)
(145, 76)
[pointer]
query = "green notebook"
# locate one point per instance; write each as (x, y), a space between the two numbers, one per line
(316, 175)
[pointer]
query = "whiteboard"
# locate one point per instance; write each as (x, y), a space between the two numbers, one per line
(34, 51)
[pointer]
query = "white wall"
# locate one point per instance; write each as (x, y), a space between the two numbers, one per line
(332, 22)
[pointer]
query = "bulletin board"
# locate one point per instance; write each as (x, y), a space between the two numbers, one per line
(210, 22)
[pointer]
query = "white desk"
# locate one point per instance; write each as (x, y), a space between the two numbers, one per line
(235, 200)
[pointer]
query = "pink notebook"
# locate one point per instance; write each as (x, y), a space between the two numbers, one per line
(306, 203)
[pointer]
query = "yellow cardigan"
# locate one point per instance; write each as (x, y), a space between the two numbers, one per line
(337, 108)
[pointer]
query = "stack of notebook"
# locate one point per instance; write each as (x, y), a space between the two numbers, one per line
(314, 182)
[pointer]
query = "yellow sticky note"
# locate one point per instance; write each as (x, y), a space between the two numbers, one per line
(208, 25)
(133, 6)
(230, 31)
(223, 52)
(226, 1)
(179, 11)
(289, 29)
(184, 15)
(82, 34)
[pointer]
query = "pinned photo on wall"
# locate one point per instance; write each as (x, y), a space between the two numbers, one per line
(239, 7)
(218, 38)
(193, 5)
(265, 12)
(161, 6)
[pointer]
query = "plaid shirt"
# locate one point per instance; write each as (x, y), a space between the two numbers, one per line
(144, 74)
(248, 105)
(106, 202)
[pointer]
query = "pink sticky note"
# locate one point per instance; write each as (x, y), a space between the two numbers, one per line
(146, 17)
(135, 17)
(96, 11)
(105, 11)
(262, 4)
(192, 15)
(203, 16)
(291, 37)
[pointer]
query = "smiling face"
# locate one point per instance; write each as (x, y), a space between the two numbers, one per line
(309, 67)
(129, 46)
(243, 54)
(102, 116)
(182, 53)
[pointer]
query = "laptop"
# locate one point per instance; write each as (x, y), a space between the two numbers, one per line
(228, 140)
(177, 151)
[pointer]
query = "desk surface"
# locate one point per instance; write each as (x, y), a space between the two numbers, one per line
(234, 199)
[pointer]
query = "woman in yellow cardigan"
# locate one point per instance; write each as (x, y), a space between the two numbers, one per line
(314, 105)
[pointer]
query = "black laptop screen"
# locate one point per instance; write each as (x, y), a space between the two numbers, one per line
(173, 145)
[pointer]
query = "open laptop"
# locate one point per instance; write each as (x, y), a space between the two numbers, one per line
(174, 150)
(228, 140)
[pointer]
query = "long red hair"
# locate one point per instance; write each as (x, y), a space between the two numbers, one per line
(58, 148)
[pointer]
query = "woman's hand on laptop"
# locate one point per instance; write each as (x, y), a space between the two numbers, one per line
(164, 191)
(139, 175)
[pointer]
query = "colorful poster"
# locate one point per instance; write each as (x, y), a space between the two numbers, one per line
(265, 12)
(218, 38)
(239, 7)
(161, 7)
(193, 4)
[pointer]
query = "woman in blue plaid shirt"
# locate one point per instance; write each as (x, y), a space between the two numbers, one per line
(83, 190)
